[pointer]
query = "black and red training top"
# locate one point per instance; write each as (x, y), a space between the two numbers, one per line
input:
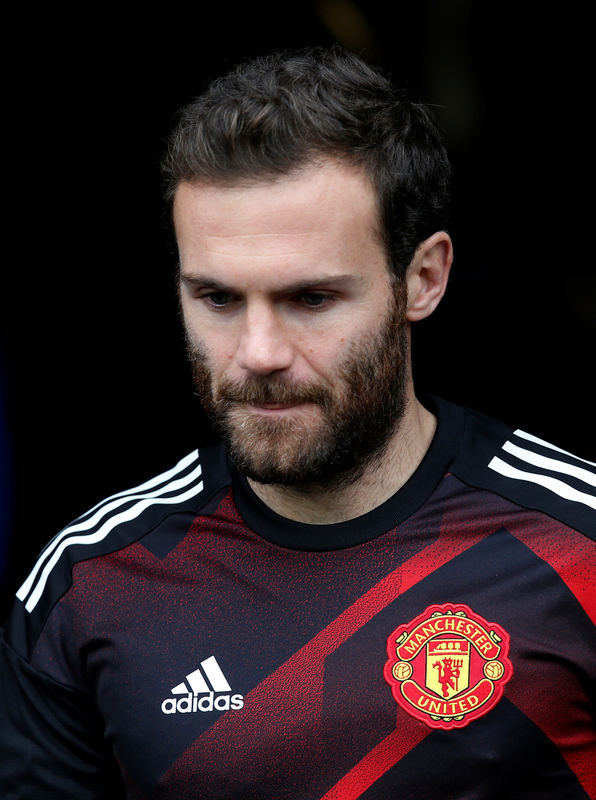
(181, 640)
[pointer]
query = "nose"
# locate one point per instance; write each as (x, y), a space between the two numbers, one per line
(265, 345)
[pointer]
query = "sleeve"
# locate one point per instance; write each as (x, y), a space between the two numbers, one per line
(51, 739)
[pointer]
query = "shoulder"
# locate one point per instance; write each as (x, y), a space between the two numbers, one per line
(111, 525)
(528, 471)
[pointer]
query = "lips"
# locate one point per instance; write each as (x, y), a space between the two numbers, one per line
(274, 407)
(270, 396)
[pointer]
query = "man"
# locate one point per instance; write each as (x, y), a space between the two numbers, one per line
(362, 594)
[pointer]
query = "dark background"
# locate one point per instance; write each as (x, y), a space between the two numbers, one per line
(96, 394)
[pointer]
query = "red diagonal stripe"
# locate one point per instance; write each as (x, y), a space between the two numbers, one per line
(573, 557)
(571, 554)
(287, 703)
(376, 763)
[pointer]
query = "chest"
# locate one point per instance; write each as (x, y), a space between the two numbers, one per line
(279, 674)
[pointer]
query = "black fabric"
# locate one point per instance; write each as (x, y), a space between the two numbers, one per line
(51, 743)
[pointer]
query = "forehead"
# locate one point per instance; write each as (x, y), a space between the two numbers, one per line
(322, 203)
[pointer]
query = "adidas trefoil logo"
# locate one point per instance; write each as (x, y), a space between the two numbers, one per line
(210, 683)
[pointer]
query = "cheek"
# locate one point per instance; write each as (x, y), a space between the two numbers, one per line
(221, 362)
(321, 360)
(217, 350)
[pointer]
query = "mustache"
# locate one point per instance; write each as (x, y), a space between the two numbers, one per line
(256, 391)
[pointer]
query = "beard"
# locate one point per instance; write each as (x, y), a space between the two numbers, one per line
(342, 431)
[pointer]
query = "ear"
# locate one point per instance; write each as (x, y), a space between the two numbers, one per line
(427, 275)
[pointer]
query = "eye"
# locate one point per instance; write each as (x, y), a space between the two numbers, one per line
(217, 299)
(315, 299)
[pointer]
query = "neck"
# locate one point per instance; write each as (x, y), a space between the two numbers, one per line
(381, 479)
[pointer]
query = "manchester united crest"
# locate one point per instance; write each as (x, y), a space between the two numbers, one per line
(448, 666)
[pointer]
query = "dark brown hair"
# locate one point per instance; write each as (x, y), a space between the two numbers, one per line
(273, 115)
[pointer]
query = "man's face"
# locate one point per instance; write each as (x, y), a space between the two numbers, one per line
(296, 333)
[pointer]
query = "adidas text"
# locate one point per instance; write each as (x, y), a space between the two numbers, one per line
(206, 702)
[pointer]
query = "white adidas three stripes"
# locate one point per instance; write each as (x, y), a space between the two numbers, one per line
(197, 681)
(557, 485)
(101, 520)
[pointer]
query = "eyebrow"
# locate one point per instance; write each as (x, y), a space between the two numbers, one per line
(340, 281)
